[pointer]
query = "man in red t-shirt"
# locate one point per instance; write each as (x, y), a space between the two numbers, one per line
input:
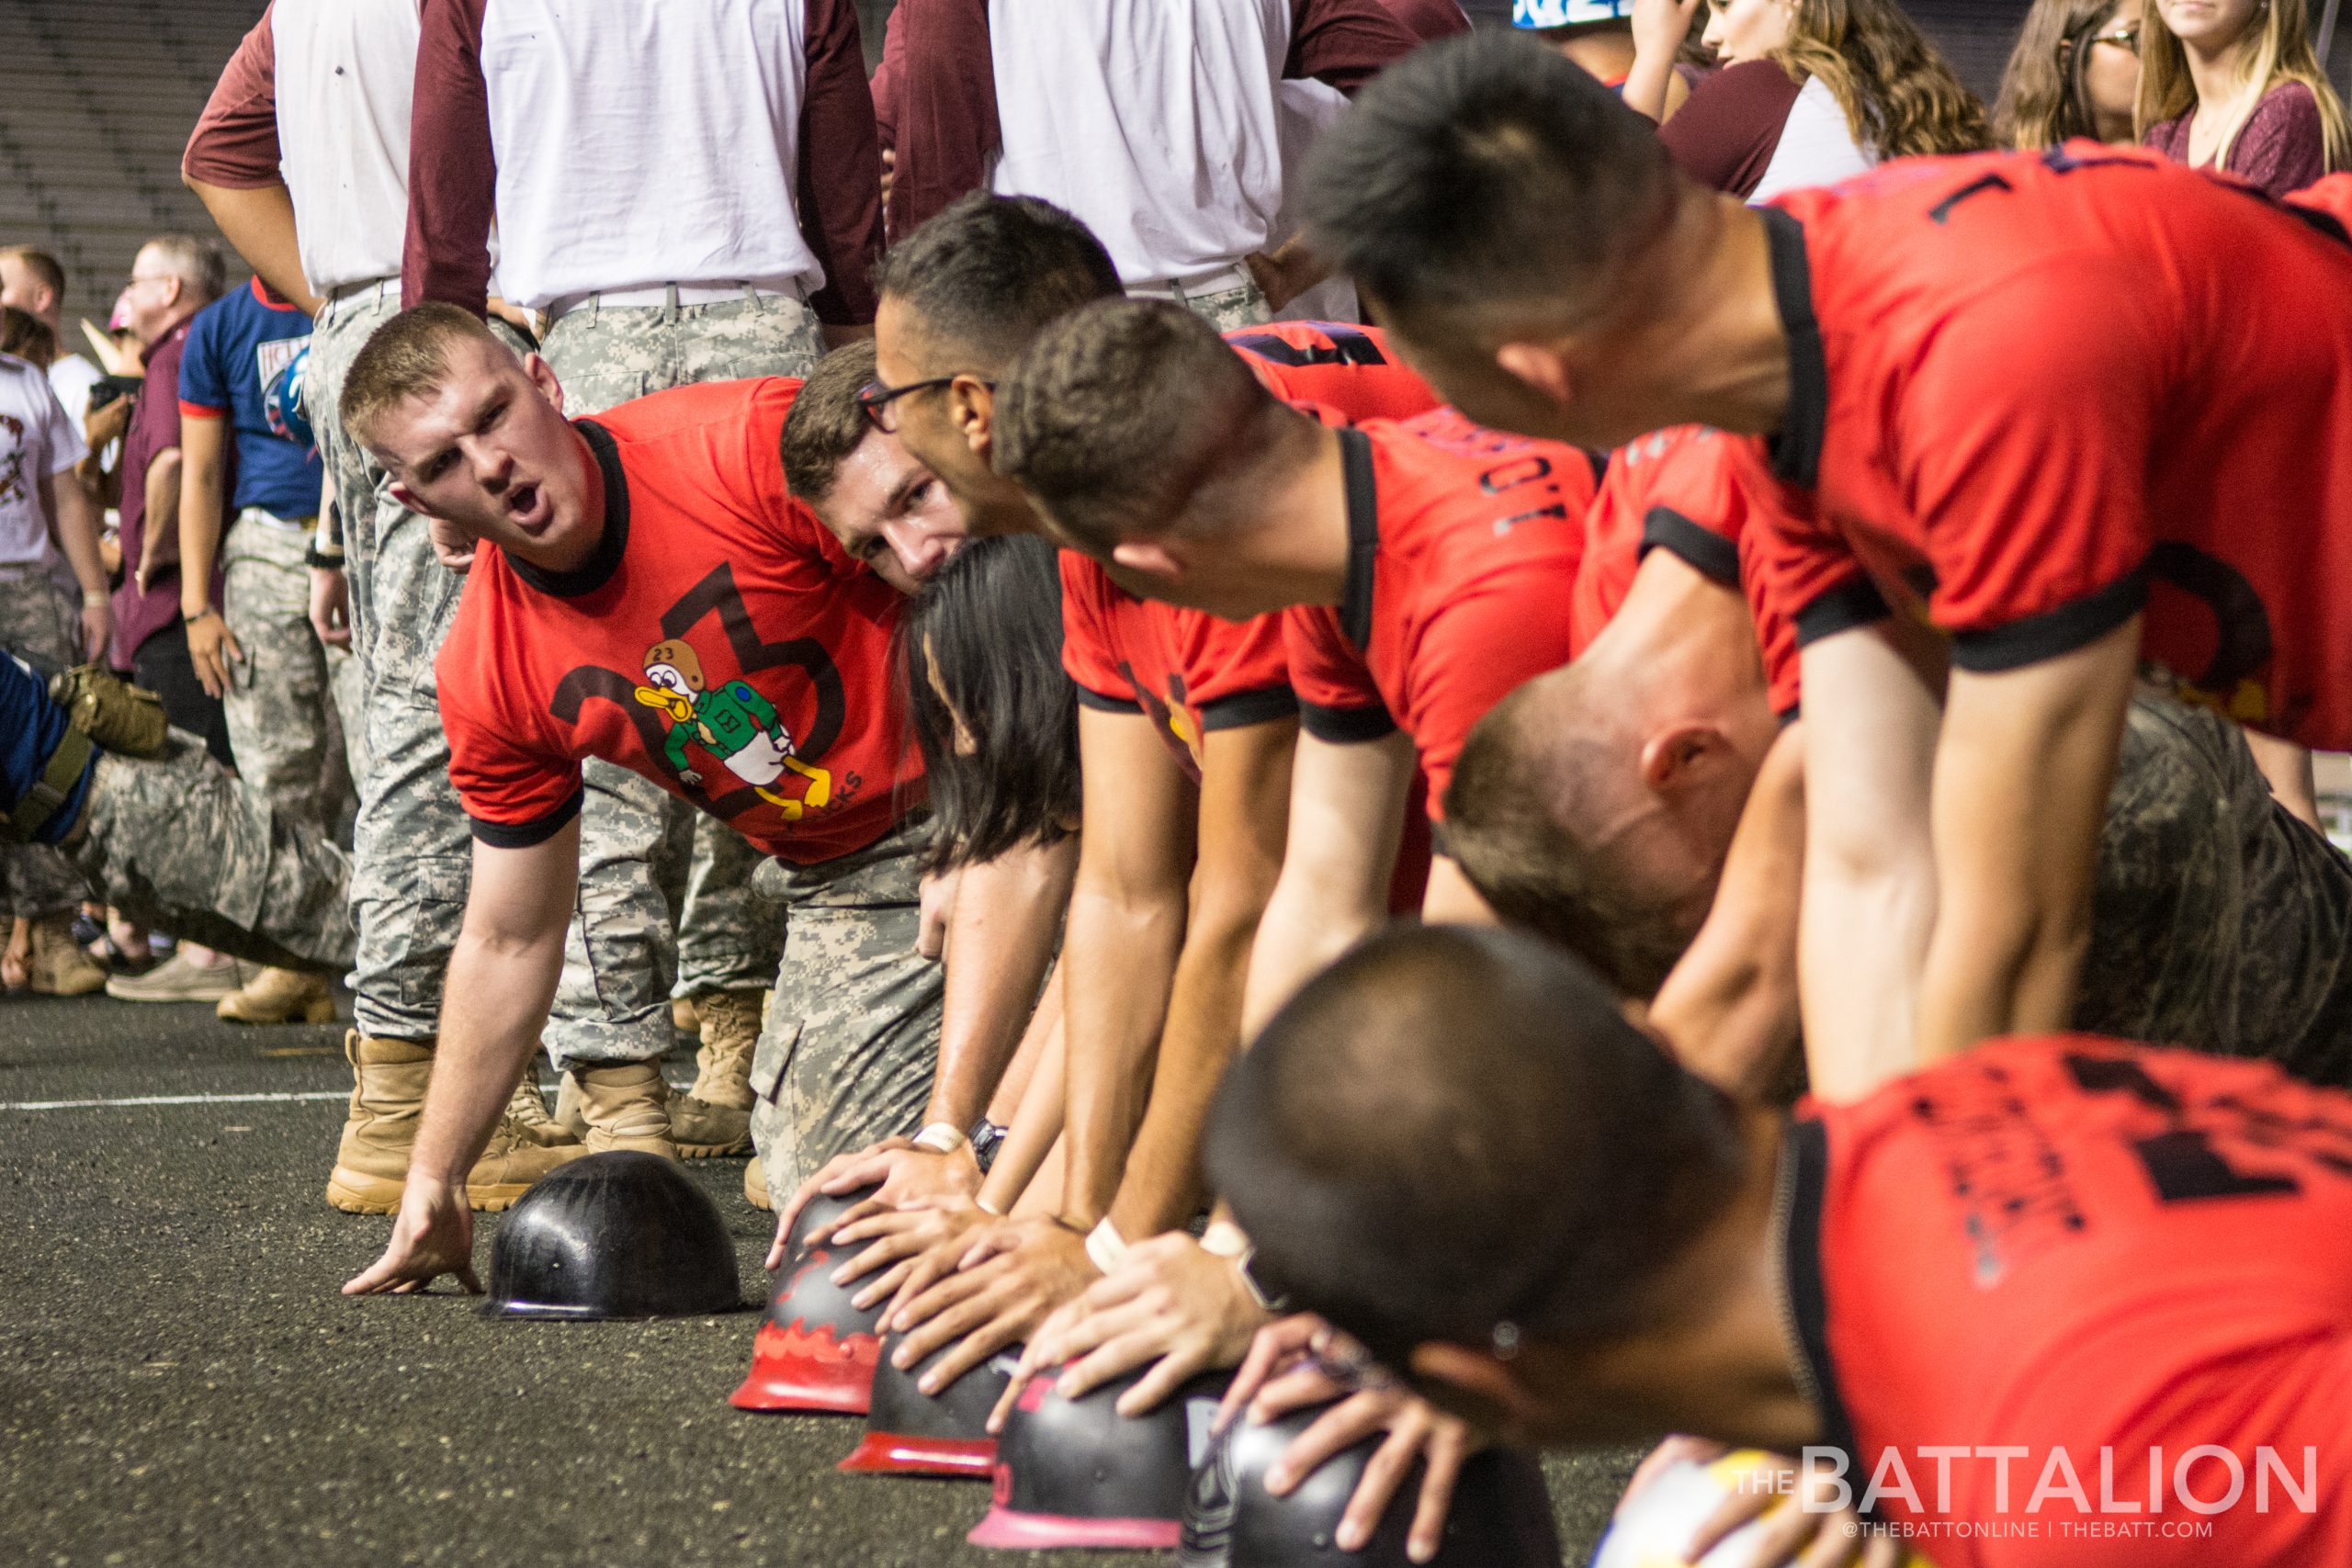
(2062, 1300)
(2068, 410)
(656, 598)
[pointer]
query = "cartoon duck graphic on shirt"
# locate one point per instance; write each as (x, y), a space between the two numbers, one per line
(734, 724)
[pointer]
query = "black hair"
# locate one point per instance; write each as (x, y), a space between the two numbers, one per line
(987, 272)
(1487, 171)
(1453, 1128)
(991, 620)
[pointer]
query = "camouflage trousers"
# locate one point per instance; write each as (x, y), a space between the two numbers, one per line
(285, 726)
(1228, 307)
(37, 620)
(851, 1042)
(666, 907)
(179, 843)
(2219, 920)
(412, 848)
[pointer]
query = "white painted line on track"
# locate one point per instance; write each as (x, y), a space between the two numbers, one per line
(198, 1099)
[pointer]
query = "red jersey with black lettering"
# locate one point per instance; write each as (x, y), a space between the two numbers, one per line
(718, 641)
(1336, 364)
(1694, 492)
(1463, 546)
(2086, 1254)
(2035, 394)
(1186, 670)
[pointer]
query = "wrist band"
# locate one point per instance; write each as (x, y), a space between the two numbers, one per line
(91, 598)
(1225, 1239)
(322, 559)
(188, 620)
(987, 1139)
(985, 1207)
(940, 1138)
(1105, 1246)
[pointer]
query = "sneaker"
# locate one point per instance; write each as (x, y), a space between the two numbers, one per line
(177, 980)
(715, 1116)
(58, 966)
(387, 1097)
(280, 996)
(625, 1106)
(528, 1113)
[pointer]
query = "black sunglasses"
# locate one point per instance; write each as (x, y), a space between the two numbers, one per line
(874, 400)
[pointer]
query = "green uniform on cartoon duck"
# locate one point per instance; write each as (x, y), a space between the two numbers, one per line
(734, 724)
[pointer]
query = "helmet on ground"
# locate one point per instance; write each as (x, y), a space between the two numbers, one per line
(618, 1235)
(1501, 1516)
(908, 1432)
(814, 1351)
(1074, 1473)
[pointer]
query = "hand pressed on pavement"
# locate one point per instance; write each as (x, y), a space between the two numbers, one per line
(904, 1174)
(1012, 1276)
(433, 1235)
(1170, 1301)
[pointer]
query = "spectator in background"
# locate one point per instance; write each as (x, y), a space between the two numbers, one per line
(1156, 122)
(1812, 92)
(33, 282)
(173, 278)
(251, 644)
(1598, 35)
(2233, 85)
(2075, 71)
(46, 528)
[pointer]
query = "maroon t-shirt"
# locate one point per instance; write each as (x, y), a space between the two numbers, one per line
(1726, 131)
(2281, 148)
(154, 428)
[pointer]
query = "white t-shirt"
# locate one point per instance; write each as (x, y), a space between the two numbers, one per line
(36, 441)
(1816, 148)
(345, 77)
(71, 376)
(1307, 110)
(1155, 121)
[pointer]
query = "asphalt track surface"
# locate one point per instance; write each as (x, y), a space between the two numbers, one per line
(181, 1383)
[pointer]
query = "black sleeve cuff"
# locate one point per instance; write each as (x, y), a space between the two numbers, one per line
(1103, 702)
(1245, 708)
(2046, 635)
(1345, 727)
(1708, 553)
(524, 835)
(1857, 603)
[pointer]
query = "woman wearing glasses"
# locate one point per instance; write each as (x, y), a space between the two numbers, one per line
(2074, 72)
(2234, 85)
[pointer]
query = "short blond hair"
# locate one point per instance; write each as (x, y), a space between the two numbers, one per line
(406, 357)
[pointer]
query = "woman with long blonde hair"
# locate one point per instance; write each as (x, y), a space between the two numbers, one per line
(1811, 91)
(2234, 85)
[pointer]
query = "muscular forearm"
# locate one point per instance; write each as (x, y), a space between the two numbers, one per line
(1309, 921)
(485, 1041)
(259, 222)
(1121, 956)
(1001, 940)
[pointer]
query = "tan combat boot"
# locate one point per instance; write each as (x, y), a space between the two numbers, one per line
(715, 1116)
(387, 1095)
(626, 1106)
(755, 1187)
(57, 967)
(528, 1113)
(280, 996)
(685, 1017)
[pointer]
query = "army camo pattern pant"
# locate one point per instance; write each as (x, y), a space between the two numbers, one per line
(1228, 308)
(285, 726)
(178, 843)
(852, 1041)
(37, 620)
(666, 907)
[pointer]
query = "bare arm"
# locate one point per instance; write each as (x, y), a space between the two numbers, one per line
(162, 487)
(1127, 928)
(259, 224)
(1729, 1006)
(1869, 866)
(77, 521)
(1659, 28)
(509, 953)
(1346, 813)
(2288, 768)
(1245, 802)
(1000, 942)
(204, 485)
(2023, 768)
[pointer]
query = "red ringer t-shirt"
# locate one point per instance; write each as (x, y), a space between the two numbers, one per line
(1186, 670)
(2082, 1255)
(717, 642)
(1463, 546)
(1694, 492)
(1336, 365)
(2034, 393)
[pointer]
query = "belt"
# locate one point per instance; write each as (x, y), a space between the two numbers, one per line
(291, 524)
(356, 294)
(1234, 276)
(40, 803)
(674, 294)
